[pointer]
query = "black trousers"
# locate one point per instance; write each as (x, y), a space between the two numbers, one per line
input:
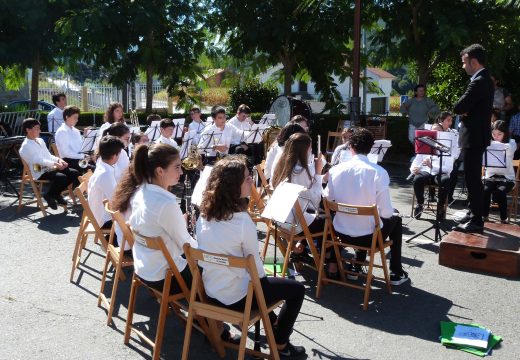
(454, 176)
(472, 158)
(175, 288)
(393, 229)
(499, 190)
(276, 289)
(423, 178)
(60, 179)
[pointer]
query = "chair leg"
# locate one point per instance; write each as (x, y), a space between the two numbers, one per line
(20, 195)
(103, 279)
(266, 245)
(385, 270)
(321, 266)
(113, 295)
(75, 254)
(71, 195)
(160, 324)
(187, 335)
(131, 306)
(38, 195)
(369, 281)
(413, 203)
(290, 247)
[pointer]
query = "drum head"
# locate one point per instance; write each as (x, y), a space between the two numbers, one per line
(285, 107)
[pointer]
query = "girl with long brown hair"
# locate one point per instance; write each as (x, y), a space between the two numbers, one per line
(154, 212)
(113, 114)
(225, 227)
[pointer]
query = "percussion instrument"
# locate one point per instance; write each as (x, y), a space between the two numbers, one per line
(285, 107)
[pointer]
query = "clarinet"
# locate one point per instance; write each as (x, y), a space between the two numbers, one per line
(189, 209)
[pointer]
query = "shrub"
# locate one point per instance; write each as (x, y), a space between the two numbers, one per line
(215, 96)
(257, 96)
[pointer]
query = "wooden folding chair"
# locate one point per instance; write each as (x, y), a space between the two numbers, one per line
(157, 243)
(333, 141)
(116, 257)
(36, 186)
(200, 306)
(377, 246)
(291, 237)
(55, 152)
(266, 189)
(87, 226)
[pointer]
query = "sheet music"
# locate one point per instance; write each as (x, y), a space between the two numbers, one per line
(153, 132)
(448, 139)
(89, 140)
(268, 119)
(495, 155)
(208, 141)
(187, 141)
(135, 130)
(281, 203)
(179, 126)
(200, 187)
(254, 135)
(379, 148)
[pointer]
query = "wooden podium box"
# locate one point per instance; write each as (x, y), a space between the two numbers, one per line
(497, 251)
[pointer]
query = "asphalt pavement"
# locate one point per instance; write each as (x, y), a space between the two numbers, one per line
(44, 316)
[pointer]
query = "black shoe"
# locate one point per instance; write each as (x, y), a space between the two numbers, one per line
(51, 201)
(60, 200)
(303, 257)
(291, 352)
(469, 227)
(399, 279)
(356, 269)
(230, 338)
(417, 212)
(504, 221)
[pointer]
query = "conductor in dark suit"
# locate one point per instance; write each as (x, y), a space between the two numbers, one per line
(475, 106)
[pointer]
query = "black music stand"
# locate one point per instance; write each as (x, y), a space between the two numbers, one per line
(87, 147)
(153, 131)
(434, 147)
(209, 141)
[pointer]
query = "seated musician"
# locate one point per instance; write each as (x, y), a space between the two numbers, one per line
(500, 181)
(137, 138)
(102, 183)
(302, 121)
(121, 131)
(444, 122)
(242, 122)
(155, 212)
(360, 182)
(294, 168)
(426, 169)
(166, 129)
(151, 118)
(221, 134)
(196, 125)
(225, 227)
(69, 140)
(342, 152)
(274, 153)
(44, 166)
(113, 114)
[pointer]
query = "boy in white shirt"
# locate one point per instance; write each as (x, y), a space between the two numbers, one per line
(166, 128)
(102, 183)
(196, 125)
(55, 116)
(122, 132)
(69, 140)
(44, 166)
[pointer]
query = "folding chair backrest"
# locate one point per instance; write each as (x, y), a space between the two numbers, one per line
(263, 180)
(157, 243)
(88, 214)
(26, 171)
(54, 150)
(333, 140)
(256, 204)
(85, 179)
(118, 218)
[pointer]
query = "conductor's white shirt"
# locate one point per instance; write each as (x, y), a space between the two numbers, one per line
(236, 237)
(36, 152)
(155, 213)
(68, 141)
(359, 182)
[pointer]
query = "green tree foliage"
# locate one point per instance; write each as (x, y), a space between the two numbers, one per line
(448, 83)
(301, 35)
(158, 37)
(255, 95)
(28, 39)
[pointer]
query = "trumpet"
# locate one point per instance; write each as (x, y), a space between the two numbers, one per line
(83, 163)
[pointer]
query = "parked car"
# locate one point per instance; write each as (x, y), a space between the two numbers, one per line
(21, 105)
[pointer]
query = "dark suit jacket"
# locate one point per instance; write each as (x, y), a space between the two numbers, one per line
(477, 102)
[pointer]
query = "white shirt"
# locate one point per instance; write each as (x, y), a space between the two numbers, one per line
(101, 186)
(272, 154)
(197, 127)
(155, 213)
(55, 119)
(359, 182)
(224, 137)
(476, 74)
(447, 164)
(36, 152)
(240, 125)
(236, 237)
(164, 140)
(509, 171)
(68, 141)
(102, 129)
(123, 162)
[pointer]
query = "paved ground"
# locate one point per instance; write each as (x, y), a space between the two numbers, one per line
(44, 316)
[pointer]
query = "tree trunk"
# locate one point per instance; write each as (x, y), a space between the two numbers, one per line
(288, 65)
(423, 71)
(124, 97)
(35, 80)
(149, 89)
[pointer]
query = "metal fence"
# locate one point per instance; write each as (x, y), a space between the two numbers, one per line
(11, 122)
(99, 96)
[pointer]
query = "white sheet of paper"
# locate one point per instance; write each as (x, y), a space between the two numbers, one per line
(268, 119)
(281, 203)
(379, 149)
(495, 154)
(373, 158)
(196, 196)
(135, 130)
(89, 140)
(179, 125)
(448, 139)
(471, 336)
(153, 132)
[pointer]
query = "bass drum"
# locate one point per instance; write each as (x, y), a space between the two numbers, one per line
(285, 107)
